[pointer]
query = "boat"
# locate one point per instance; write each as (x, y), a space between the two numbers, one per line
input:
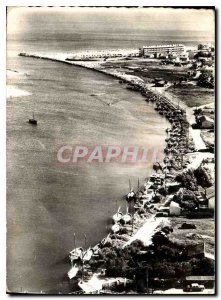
(73, 272)
(148, 194)
(88, 254)
(130, 195)
(117, 217)
(115, 228)
(127, 217)
(33, 121)
(106, 240)
(141, 204)
(76, 253)
(147, 185)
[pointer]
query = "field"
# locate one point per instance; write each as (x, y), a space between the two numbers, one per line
(193, 95)
(167, 73)
(205, 229)
(148, 69)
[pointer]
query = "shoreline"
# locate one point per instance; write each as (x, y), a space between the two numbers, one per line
(88, 65)
(138, 85)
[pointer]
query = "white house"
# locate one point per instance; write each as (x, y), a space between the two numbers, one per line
(211, 203)
(175, 209)
(211, 197)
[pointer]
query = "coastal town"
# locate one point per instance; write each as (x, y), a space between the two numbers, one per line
(165, 242)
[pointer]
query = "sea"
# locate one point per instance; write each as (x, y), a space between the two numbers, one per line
(49, 203)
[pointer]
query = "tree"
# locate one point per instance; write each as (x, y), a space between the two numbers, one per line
(164, 270)
(182, 269)
(187, 180)
(206, 80)
(202, 178)
(159, 239)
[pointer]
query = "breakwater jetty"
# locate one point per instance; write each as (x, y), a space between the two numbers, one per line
(91, 65)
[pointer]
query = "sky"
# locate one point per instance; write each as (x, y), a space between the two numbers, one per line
(110, 19)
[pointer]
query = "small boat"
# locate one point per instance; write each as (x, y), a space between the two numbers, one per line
(147, 185)
(73, 271)
(33, 121)
(130, 195)
(76, 253)
(88, 254)
(117, 217)
(115, 228)
(141, 204)
(106, 240)
(127, 217)
(148, 194)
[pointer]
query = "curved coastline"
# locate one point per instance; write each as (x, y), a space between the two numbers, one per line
(163, 106)
(88, 65)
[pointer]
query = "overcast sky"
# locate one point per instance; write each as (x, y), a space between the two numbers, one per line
(109, 18)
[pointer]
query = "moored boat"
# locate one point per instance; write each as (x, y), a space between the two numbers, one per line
(73, 271)
(88, 254)
(127, 217)
(33, 121)
(117, 217)
(130, 195)
(106, 240)
(115, 228)
(76, 254)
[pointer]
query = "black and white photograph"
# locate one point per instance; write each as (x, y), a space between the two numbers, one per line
(110, 150)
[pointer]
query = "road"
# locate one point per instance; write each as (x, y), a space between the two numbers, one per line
(181, 292)
(146, 232)
(197, 157)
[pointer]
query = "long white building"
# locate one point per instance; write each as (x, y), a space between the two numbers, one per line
(162, 49)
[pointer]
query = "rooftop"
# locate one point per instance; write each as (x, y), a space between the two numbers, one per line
(172, 45)
(199, 278)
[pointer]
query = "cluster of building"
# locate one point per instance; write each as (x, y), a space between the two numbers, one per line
(197, 60)
(170, 54)
(162, 51)
(179, 55)
(104, 54)
(203, 60)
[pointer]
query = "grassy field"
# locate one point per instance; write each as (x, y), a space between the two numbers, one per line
(193, 95)
(167, 73)
(149, 69)
(205, 229)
